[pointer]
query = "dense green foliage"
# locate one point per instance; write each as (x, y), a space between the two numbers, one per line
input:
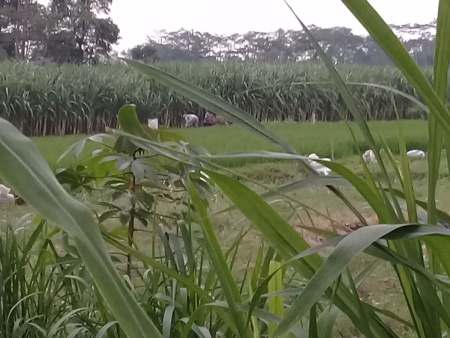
(48, 100)
(60, 31)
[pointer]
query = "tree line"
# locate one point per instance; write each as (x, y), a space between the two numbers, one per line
(340, 43)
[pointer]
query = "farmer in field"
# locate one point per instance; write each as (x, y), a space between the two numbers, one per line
(209, 120)
(190, 120)
(220, 121)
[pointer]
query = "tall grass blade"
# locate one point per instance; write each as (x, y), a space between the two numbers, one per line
(362, 309)
(343, 90)
(167, 321)
(218, 261)
(326, 321)
(406, 178)
(347, 249)
(102, 332)
(355, 111)
(435, 131)
(313, 329)
(372, 197)
(285, 241)
(315, 181)
(275, 284)
(382, 33)
(159, 266)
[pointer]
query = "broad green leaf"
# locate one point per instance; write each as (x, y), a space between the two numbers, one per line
(129, 122)
(272, 225)
(78, 147)
(26, 171)
(377, 250)
(138, 171)
(357, 243)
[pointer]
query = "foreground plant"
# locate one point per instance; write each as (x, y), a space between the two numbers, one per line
(131, 182)
(46, 292)
(30, 176)
(410, 261)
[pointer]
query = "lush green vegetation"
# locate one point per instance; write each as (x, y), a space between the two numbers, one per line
(228, 227)
(134, 241)
(54, 100)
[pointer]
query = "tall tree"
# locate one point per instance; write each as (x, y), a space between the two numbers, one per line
(144, 52)
(22, 27)
(77, 24)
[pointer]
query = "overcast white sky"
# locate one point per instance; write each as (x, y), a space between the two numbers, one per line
(138, 18)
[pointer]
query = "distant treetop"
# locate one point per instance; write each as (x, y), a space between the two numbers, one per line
(340, 43)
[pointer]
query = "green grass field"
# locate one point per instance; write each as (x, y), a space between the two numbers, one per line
(325, 139)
